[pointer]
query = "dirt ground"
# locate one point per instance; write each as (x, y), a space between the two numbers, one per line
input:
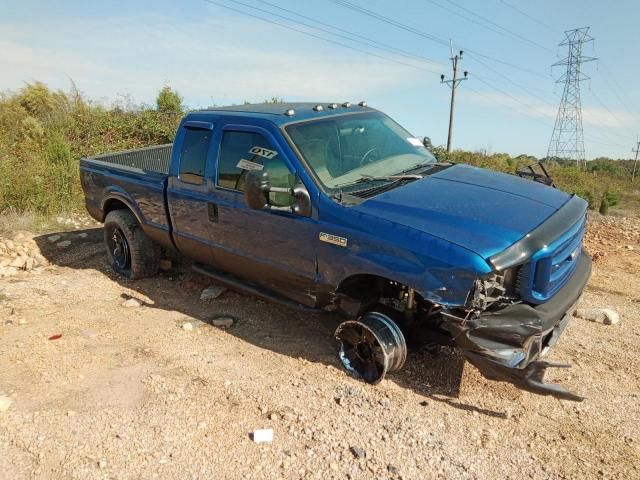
(129, 393)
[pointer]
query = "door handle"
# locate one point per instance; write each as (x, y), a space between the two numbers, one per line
(212, 208)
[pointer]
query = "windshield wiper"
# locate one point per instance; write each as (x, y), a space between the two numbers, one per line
(427, 164)
(371, 178)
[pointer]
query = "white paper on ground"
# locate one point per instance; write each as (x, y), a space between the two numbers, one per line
(263, 435)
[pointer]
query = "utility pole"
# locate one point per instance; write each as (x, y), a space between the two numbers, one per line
(453, 84)
(635, 162)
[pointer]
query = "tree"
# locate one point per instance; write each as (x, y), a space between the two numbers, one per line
(169, 100)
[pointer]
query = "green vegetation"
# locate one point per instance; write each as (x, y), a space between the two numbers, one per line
(603, 178)
(43, 134)
(169, 101)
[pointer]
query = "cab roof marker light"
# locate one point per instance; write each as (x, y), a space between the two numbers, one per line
(362, 104)
(333, 106)
(318, 108)
(290, 113)
(346, 105)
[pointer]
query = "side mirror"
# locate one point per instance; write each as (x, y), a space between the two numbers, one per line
(257, 189)
(426, 141)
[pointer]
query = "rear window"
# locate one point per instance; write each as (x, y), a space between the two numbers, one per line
(193, 157)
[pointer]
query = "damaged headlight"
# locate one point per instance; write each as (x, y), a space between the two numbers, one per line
(501, 288)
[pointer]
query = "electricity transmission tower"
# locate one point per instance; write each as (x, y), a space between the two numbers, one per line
(567, 139)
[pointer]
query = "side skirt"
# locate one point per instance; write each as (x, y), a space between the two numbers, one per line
(236, 284)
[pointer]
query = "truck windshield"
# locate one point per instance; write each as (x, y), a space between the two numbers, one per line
(349, 149)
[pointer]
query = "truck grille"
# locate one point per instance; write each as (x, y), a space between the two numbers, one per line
(551, 267)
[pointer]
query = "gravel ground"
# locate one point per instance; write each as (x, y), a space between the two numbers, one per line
(133, 392)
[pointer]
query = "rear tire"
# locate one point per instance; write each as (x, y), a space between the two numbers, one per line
(130, 251)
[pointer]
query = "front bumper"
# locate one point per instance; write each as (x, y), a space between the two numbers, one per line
(506, 345)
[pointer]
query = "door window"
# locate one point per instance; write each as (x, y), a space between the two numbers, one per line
(241, 152)
(193, 157)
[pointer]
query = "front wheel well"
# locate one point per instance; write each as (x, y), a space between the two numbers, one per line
(362, 291)
(365, 286)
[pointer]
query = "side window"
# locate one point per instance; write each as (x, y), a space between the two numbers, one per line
(241, 152)
(193, 156)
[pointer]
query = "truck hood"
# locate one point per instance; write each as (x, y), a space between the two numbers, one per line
(480, 210)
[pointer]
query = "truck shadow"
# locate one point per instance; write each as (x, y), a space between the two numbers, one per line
(264, 324)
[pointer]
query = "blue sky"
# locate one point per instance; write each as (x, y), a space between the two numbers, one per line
(213, 55)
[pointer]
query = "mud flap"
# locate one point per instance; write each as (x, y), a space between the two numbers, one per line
(530, 378)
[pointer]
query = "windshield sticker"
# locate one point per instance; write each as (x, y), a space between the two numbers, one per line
(416, 142)
(248, 165)
(263, 152)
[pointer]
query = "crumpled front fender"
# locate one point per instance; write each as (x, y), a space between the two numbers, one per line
(506, 345)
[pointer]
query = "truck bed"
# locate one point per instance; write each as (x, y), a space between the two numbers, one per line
(155, 159)
(135, 178)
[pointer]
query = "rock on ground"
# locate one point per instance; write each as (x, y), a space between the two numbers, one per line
(20, 254)
(224, 322)
(607, 316)
(5, 403)
(212, 292)
(131, 303)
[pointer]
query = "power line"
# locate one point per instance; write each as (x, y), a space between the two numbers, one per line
(611, 82)
(530, 17)
(309, 34)
(450, 10)
(404, 52)
(369, 41)
(409, 55)
(502, 31)
(428, 36)
(602, 127)
(365, 41)
(613, 115)
(527, 90)
(494, 100)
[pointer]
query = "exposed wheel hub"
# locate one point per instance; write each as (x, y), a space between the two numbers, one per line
(371, 346)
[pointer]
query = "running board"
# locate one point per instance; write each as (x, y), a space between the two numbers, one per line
(236, 284)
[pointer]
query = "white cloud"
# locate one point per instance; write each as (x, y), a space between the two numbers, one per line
(219, 60)
(533, 107)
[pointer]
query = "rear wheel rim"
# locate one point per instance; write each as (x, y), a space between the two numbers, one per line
(119, 248)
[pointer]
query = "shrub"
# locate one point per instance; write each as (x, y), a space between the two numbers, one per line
(169, 101)
(588, 196)
(44, 133)
(611, 197)
(604, 206)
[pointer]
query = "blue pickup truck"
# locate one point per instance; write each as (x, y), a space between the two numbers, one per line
(336, 207)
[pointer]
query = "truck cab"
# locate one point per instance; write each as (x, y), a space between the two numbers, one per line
(336, 207)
